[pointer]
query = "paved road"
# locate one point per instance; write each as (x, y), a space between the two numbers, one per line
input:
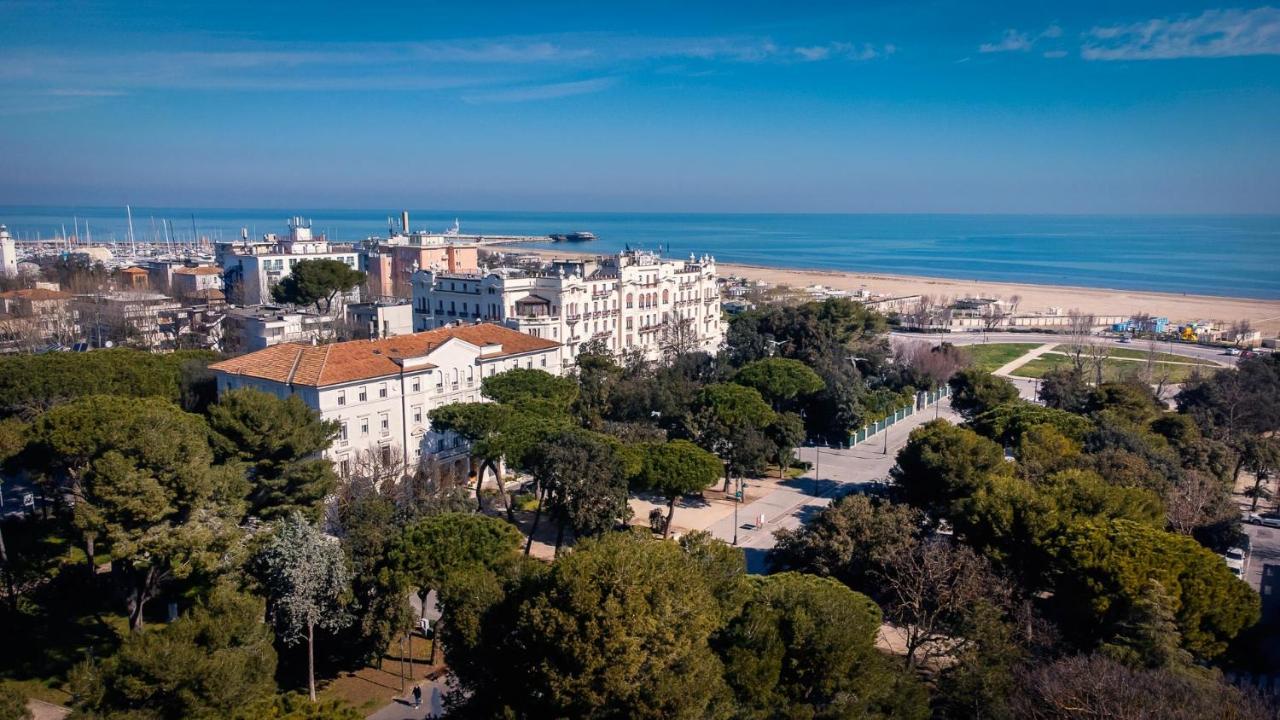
(835, 473)
(1202, 352)
(402, 708)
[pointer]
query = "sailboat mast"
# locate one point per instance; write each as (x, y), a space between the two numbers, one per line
(133, 245)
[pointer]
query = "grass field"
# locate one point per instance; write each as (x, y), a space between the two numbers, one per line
(995, 355)
(1140, 353)
(1113, 370)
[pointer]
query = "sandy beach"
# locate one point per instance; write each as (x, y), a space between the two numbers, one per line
(1263, 314)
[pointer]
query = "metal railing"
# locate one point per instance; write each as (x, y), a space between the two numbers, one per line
(870, 430)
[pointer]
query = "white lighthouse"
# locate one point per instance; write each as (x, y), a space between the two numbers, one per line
(8, 253)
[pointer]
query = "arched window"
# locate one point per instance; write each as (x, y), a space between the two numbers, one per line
(664, 296)
(628, 301)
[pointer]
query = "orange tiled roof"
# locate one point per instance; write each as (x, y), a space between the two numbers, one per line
(320, 365)
(36, 294)
(134, 270)
(202, 270)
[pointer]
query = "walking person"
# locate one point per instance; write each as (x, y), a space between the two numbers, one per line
(417, 696)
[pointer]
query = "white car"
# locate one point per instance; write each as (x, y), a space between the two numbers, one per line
(1235, 558)
(1267, 520)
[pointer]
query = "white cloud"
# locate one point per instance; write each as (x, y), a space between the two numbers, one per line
(1212, 34)
(844, 50)
(1011, 41)
(1055, 54)
(1015, 40)
(549, 91)
(817, 52)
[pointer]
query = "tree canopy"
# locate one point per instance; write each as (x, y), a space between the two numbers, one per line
(280, 441)
(779, 380)
(974, 392)
(316, 282)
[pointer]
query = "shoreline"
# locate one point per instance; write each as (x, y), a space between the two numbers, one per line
(1264, 315)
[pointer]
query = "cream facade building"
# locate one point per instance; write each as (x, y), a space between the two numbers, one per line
(634, 301)
(381, 391)
(251, 269)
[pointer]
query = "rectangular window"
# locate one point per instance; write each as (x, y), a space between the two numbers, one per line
(386, 454)
(342, 397)
(364, 427)
(382, 390)
(384, 422)
(343, 432)
(417, 384)
(544, 360)
(417, 414)
(344, 467)
(363, 395)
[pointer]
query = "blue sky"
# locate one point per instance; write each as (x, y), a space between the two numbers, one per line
(659, 106)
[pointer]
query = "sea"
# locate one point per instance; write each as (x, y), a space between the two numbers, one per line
(1233, 255)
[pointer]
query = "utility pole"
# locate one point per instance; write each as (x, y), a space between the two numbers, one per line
(886, 436)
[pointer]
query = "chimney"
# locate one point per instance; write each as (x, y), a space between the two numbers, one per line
(404, 221)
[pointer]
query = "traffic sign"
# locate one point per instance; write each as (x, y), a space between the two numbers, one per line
(28, 500)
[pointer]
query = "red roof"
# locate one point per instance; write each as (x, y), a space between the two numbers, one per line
(320, 365)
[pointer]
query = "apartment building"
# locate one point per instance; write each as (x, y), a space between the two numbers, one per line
(252, 268)
(134, 317)
(256, 328)
(381, 391)
(634, 301)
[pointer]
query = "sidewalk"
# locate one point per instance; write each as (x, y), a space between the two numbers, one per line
(402, 708)
(1009, 367)
(842, 470)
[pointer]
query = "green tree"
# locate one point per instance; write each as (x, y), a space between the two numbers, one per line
(781, 381)
(1104, 567)
(31, 384)
(729, 420)
(975, 391)
(1006, 423)
(1043, 450)
(803, 646)
(942, 463)
(618, 628)
(535, 390)
(280, 440)
(786, 432)
(142, 475)
(431, 551)
(850, 540)
(675, 469)
(210, 663)
(306, 580)
(369, 527)
(582, 478)
(1065, 388)
(316, 282)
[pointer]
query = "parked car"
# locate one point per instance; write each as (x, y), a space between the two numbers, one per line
(1235, 558)
(1266, 519)
(1232, 351)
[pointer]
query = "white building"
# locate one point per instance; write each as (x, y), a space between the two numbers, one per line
(256, 328)
(8, 253)
(384, 318)
(380, 391)
(253, 268)
(632, 301)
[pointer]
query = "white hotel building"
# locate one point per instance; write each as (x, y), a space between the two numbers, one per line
(380, 391)
(632, 301)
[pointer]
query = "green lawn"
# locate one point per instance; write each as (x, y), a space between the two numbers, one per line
(1140, 353)
(995, 355)
(1112, 370)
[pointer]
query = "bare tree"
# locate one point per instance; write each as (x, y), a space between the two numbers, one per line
(934, 364)
(1014, 302)
(1240, 331)
(678, 336)
(930, 591)
(1080, 330)
(1197, 499)
(379, 467)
